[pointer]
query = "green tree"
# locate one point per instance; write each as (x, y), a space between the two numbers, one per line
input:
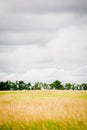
(46, 86)
(6, 85)
(13, 86)
(84, 86)
(28, 86)
(74, 86)
(2, 84)
(56, 85)
(68, 86)
(21, 85)
(36, 86)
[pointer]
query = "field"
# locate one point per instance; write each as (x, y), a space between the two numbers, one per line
(43, 110)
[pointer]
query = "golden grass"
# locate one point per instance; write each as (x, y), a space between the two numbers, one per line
(43, 110)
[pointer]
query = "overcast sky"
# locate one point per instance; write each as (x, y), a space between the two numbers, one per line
(43, 40)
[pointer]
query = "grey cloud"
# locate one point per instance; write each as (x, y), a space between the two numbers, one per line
(29, 29)
(80, 74)
(25, 38)
(37, 22)
(6, 68)
(6, 49)
(51, 21)
(60, 25)
(38, 6)
(28, 22)
(83, 72)
(5, 65)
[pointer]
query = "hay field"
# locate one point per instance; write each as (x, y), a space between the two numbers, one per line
(43, 110)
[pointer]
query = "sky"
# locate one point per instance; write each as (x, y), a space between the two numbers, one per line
(43, 40)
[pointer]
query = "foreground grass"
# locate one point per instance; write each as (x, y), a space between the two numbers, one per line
(43, 110)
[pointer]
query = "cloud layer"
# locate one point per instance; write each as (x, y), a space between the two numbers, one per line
(43, 40)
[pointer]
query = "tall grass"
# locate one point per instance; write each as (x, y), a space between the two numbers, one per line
(43, 110)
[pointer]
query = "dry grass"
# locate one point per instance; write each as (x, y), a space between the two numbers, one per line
(43, 110)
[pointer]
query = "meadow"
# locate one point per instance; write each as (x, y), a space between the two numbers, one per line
(43, 110)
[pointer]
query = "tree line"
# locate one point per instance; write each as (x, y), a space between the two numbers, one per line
(56, 85)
